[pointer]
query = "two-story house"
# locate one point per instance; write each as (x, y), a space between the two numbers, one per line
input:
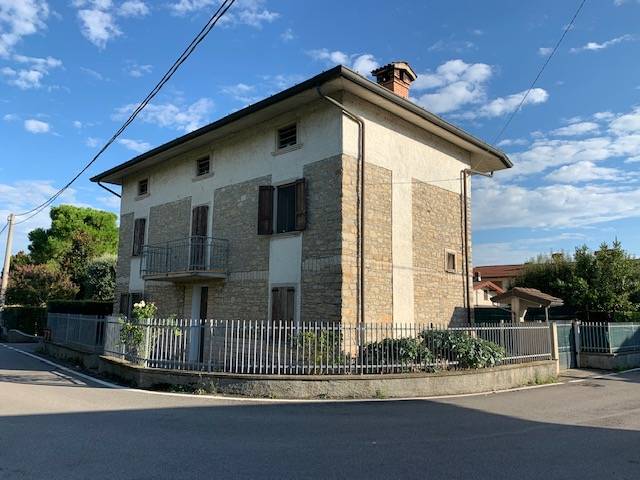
(337, 199)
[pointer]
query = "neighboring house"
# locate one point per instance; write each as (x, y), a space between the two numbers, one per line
(504, 276)
(257, 215)
(484, 291)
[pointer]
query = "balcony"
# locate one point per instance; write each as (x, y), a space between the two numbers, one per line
(184, 260)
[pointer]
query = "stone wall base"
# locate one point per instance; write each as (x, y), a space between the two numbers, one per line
(333, 386)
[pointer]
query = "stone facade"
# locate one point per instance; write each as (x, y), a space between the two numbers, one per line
(321, 276)
(244, 294)
(439, 295)
(168, 221)
(123, 265)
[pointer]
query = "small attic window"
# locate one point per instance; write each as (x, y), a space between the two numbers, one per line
(143, 187)
(203, 166)
(287, 136)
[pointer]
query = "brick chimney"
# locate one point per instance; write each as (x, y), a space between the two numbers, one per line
(396, 76)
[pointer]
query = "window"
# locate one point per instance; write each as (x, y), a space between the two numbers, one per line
(451, 265)
(290, 210)
(202, 166)
(283, 304)
(138, 236)
(143, 187)
(287, 136)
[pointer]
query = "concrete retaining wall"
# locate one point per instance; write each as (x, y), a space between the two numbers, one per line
(76, 355)
(343, 386)
(606, 361)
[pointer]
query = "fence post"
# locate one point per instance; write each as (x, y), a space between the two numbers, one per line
(555, 352)
(576, 340)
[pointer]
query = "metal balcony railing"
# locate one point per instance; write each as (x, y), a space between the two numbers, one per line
(184, 256)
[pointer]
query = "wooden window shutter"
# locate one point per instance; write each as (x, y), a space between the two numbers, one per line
(275, 304)
(290, 303)
(265, 210)
(301, 204)
(138, 236)
(199, 221)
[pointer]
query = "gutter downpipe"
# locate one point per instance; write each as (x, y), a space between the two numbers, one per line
(361, 164)
(467, 173)
(109, 190)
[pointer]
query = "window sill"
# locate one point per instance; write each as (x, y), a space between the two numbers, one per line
(142, 197)
(282, 151)
(293, 233)
(450, 271)
(202, 177)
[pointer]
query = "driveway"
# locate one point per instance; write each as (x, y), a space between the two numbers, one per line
(55, 425)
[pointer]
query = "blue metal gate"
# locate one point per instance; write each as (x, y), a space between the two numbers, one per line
(567, 344)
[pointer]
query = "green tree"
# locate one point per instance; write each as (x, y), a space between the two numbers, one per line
(100, 278)
(36, 284)
(51, 245)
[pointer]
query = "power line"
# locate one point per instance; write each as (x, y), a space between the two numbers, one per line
(544, 65)
(219, 13)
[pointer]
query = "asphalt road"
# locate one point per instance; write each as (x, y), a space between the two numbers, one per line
(54, 425)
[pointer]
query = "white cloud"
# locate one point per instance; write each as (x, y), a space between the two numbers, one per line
(137, 71)
(242, 92)
(287, 35)
(545, 51)
(584, 171)
(595, 46)
(92, 142)
(31, 76)
(576, 129)
(361, 63)
(511, 142)
(137, 146)
(10, 117)
(185, 118)
(554, 206)
(243, 12)
(626, 124)
(451, 45)
(521, 250)
(92, 73)
(36, 126)
(98, 26)
(19, 18)
(456, 84)
(133, 8)
(98, 21)
(77, 124)
(504, 105)
(634, 159)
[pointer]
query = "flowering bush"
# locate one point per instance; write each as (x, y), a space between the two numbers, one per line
(132, 333)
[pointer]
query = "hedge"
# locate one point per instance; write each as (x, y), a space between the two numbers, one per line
(80, 307)
(31, 320)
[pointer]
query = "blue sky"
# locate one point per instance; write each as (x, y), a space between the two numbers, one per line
(70, 70)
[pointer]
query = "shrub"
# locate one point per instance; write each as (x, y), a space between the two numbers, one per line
(80, 307)
(468, 351)
(36, 284)
(31, 320)
(100, 278)
(403, 350)
(320, 347)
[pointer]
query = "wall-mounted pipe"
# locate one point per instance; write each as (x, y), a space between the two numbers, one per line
(361, 197)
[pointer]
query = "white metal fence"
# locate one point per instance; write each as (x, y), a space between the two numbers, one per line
(85, 331)
(258, 347)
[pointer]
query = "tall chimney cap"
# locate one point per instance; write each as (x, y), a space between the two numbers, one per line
(398, 65)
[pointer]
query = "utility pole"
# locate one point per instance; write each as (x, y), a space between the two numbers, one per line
(7, 261)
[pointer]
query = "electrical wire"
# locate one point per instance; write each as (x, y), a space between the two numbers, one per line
(544, 65)
(219, 13)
